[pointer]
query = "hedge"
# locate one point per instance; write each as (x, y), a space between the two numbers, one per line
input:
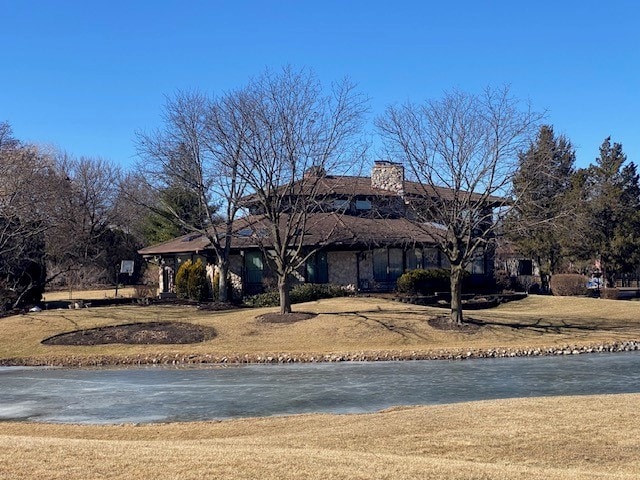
(569, 284)
(424, 282)
(304, 292)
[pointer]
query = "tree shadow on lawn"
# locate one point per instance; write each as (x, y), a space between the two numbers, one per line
(472, 324)
(543, 325)
(388, 323)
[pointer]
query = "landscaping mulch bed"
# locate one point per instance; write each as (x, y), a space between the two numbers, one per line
(146, 333)
(285, 318)
(443, 322)
(217, 306)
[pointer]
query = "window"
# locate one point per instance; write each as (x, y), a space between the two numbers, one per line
(525, 267)
(431, 258)
(253, 266)
(318, 268)
(414, 258)
(363, 204)
(476, 265)
(380, 259)
(396, 264)
(340, 204)
(387, 264)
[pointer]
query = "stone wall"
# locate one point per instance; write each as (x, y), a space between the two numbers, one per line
(307, 357)
(342, 268)
(235, 272)
(166, 272)
(211, 273)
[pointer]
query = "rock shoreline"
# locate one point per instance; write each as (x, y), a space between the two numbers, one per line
(284, 358)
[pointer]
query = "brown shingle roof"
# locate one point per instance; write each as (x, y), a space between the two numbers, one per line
(321, 229)
(349, 186)
(193, 242)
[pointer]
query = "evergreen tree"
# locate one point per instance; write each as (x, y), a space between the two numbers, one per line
(178, 213)
(625, 245)
(539, 224)
(613, 196)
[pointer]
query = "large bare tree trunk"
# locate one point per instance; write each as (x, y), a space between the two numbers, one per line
(223, 287)
(283, 290)
(457, 274)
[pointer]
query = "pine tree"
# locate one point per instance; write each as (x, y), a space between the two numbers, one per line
(541, 185)
(613, 196)
(178, 213)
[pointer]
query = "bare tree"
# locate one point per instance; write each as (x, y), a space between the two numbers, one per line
(295, 134)
(28, 189)
(131, 209)
(197, 152)
(462, 150)
(7, 140)
(83, 218)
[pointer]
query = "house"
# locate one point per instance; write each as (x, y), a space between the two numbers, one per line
(520, 272)
(360, 227)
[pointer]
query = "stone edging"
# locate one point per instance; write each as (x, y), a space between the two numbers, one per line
(283, 358)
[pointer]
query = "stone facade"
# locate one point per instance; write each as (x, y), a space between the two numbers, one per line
(388, 176)
(342, 268)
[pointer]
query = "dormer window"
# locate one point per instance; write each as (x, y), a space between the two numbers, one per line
(363, 204)
(340, 204)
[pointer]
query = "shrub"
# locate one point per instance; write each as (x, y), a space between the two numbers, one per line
(145, 291)
(503, 280)
(197, 282)
(425, 282)
(569, 284)
(182, 280)
(191, 281)
(610, 293)
(304, 292)
(309, 292)
(267, 299)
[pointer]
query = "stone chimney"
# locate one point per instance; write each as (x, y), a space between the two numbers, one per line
(388, 176)
(315, 171)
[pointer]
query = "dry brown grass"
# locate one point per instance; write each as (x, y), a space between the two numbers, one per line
(95, 294)
(342, 325)
(550, 438)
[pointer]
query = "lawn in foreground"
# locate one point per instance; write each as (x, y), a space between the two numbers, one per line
(551, 438)
(341, 325)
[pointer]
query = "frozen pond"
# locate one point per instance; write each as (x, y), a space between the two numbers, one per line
(157, 394)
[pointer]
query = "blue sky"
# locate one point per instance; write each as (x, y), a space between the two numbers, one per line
(86, 75)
